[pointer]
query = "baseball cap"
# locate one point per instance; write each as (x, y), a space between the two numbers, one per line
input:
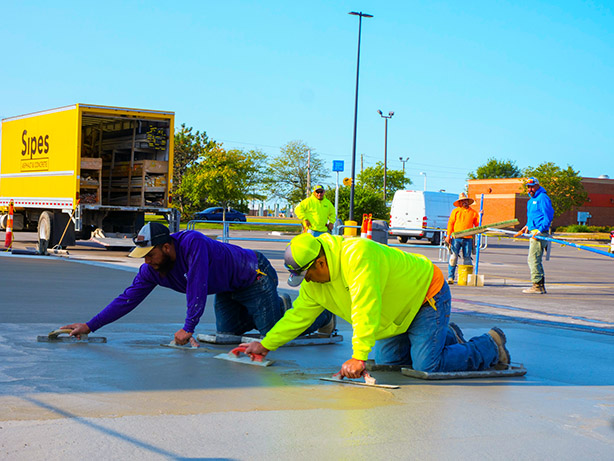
(301, 253)
(318, 187)
(150, 235)
(532, 182)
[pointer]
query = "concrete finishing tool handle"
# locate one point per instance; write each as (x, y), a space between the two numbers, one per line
(255, 357)
(55, 333)
(365, 374)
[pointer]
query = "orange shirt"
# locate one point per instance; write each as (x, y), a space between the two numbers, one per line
(462, 219)
(436, 283)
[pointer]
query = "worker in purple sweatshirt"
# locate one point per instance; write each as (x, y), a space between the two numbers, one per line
(244, 282)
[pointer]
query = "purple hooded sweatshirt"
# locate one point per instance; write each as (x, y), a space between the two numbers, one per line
(203, 266)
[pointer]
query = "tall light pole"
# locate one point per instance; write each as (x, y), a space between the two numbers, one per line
(423, 173)
(360, 16)
(403, 162)
(385, 117)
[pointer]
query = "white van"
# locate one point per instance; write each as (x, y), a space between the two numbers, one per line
(414, 210)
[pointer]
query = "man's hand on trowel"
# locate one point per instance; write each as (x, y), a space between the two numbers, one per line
(254, 348)
(353, 368)
(182, 337)
(78, 329)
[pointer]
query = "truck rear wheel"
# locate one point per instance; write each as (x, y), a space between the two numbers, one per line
(45, 231)
(402, 238)
(436, 238)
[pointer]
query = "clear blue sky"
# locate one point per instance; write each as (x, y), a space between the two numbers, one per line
(525, 81)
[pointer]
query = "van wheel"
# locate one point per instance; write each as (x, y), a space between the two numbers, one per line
(436, 238)
(402, 238)
(45, 229)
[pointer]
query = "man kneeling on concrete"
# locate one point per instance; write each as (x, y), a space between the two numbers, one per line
(243, 280)
(398, 299)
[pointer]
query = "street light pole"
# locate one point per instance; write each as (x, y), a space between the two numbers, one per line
(385, 117)
(423, 173)
(403, 162)
(360, 16)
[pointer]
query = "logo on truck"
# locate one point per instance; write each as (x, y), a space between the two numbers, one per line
(35, 152)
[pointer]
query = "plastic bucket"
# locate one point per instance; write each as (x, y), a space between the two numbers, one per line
(463, 272)
(350, 231)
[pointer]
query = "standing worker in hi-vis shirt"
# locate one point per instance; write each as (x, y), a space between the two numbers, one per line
(316, 212)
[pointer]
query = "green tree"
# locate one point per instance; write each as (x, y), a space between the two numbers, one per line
(190, 148)
(564, 187)
(372, 178)
(224, 177)
(494, 168)
(286, 177)
(365, 201)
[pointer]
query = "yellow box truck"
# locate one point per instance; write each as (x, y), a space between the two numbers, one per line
(85, 171)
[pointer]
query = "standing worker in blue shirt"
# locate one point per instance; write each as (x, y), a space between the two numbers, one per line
(539, 218)
(243, 280)
(316, 212)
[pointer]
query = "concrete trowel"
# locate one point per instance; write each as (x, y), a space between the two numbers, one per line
(251, 359)
(369, 381)
(54, 337)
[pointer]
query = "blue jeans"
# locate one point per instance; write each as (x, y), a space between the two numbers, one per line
(257, 306)
(536, 251)
(428, 346)
(316, 233)
(466, 245)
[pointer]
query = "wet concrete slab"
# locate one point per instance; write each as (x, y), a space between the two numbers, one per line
(132, 398)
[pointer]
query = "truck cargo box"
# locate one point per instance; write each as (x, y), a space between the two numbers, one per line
(103, 166)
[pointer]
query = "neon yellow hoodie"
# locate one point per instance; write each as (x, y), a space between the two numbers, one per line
(318, 212)
(376, 288)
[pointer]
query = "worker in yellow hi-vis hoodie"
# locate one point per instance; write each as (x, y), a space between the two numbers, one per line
(316, 212)
(401, 300)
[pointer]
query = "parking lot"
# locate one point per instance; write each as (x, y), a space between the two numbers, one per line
(132, 398)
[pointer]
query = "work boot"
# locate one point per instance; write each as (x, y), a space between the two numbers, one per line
(329, 328)
(450, 280)
(286, 302)
(542, 285)
(504, 355)
(538, 288)
(458, 333)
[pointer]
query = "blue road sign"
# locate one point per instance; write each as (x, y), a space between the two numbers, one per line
(337, 165)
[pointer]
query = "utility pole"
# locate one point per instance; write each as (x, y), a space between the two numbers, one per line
(424, 174)
(360, 16)
(385, 117)
(403, 162)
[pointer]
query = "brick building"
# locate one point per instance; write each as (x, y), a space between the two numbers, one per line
(504, 199)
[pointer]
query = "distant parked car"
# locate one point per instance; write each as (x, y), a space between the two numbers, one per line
(215, 214)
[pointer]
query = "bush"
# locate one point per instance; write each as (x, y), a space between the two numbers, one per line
(580, 228)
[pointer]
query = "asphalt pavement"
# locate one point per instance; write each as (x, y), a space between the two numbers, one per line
(132, 398)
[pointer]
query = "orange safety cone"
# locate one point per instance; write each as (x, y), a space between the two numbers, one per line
(8, 241)
(363, 226)
(370, 227)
